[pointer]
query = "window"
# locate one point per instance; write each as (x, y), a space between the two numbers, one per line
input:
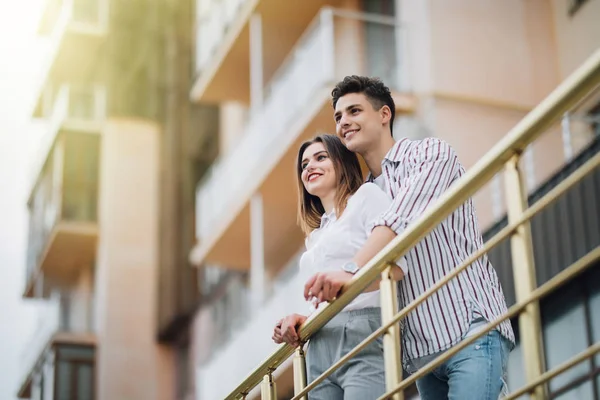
(381, 46)
(571, 324)
(86, 11)
(80, 184)
(82, 102)
(75, 373)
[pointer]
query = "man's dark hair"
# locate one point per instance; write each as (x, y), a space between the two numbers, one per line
(376, 92)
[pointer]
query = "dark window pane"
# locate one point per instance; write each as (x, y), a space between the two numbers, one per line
(85, 381)
(562, 341)
(64, 371)
(593, 282)
(581, 392)
(76, 353)
(80, 186)
(516, 369)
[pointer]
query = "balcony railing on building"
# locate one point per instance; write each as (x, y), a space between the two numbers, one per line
(64, 318)
(63, 212)
(84, 16)
(239, 328)
(337, 43)
(213, 19)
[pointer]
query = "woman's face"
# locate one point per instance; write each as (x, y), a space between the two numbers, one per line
(318, 174)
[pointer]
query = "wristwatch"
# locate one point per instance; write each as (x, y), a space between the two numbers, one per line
(351, 267)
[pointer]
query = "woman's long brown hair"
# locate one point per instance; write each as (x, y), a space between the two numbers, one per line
(349, 178)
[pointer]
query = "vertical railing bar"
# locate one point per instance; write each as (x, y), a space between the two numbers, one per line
(524, 273)
(268, 388)
(299, 364)
(391, 338)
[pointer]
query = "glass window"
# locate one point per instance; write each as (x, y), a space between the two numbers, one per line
(86, 11)
(581, 392)
(80, 184)
(64, 372)
(561, 314)
(82, 102)
(593, 283)
(516, 369)
(76, 353)
(85, 381)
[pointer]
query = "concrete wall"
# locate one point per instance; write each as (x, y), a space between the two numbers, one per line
(477, 68)
(577, 35)
(130, 365)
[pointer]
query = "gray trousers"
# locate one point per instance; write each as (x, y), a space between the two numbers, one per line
(361, 378)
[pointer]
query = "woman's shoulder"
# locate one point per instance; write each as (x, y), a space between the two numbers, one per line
(368, 191)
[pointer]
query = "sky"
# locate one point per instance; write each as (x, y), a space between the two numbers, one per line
(21, 53)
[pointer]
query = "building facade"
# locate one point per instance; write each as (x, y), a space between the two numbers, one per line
(464, 71)
(111, 203)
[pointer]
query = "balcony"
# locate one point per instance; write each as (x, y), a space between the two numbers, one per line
(63, 213)
(296, 106)
(68, 107)
(248, 333)
(75, 31)
(63, 319)
(223, 42)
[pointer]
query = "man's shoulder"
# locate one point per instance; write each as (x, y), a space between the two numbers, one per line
(430, 147)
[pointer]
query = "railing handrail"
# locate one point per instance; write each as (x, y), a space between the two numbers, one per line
(562, 99)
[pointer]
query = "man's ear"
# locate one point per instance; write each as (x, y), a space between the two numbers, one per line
(386, 114)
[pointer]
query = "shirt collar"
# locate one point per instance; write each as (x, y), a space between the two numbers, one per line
(395, 154)
(327, 218)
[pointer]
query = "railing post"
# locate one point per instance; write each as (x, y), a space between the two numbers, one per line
(299, 372)
(391, 338)
(268, 390)
(525, 278)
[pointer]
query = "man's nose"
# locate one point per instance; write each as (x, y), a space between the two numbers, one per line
(344, 123)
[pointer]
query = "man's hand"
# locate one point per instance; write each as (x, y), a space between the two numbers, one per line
(325, 286)
(286, 330)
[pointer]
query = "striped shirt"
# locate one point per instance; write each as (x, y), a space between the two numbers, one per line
(415, 174)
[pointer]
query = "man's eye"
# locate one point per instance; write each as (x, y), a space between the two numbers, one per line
(355, 110)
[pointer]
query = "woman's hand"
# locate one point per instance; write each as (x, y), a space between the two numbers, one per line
(286, 330)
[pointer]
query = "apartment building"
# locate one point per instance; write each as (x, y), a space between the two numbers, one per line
(463, 70)
(111, 203)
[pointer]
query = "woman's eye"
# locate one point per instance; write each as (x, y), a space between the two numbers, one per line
(303, 166)
(321, 157)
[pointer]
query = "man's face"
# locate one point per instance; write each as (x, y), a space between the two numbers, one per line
(358, 124)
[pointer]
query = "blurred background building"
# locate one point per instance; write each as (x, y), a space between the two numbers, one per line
(163, 242)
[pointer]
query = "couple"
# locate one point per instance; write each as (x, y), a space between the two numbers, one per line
(347, 222)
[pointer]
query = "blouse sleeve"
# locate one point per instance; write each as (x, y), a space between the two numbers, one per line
(374, 203)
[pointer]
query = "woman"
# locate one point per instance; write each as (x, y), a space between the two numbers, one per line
(337, 213)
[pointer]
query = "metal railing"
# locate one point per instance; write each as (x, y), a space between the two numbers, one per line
(62, 313)
(506, 154)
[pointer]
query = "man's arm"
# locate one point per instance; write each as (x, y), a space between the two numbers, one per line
(429, 176)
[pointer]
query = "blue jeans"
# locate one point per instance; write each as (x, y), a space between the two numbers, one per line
(477, 372)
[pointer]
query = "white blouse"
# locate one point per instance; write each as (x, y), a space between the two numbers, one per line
(337, 241)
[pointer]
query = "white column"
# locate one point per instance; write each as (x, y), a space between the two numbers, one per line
(257, 250)
(256, 62)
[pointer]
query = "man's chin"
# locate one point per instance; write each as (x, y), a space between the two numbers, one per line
(353, 146)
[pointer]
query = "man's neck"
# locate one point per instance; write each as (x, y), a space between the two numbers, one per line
(373, 157)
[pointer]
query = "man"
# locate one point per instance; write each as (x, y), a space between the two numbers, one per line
(414, 174)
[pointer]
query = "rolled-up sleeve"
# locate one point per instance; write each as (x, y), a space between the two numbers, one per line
(429, 169)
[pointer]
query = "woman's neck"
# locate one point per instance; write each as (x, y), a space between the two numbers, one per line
(328, 202)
